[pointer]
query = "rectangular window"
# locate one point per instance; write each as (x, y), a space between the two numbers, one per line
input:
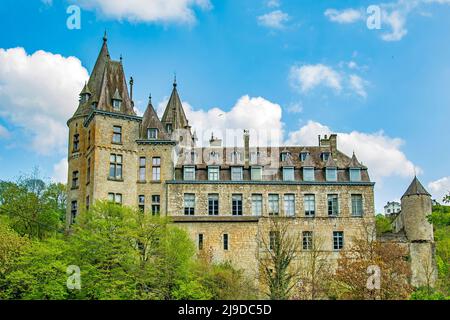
(76, 142)
(307, 240)
(274, 205)
(236, 204)
(88, 203)
(189, 173)
(169, 128)
(236, 174)
(74, 210)
(142, 163)
(256, 173)
(189, 204)
(288, 174)
(303, 156)
(213, 204)
(88, 171)
(213, 173)
(357, 205)
(333, 204)
(117, 105)
(115, 166)
(257, 205)
(117, 134)
(331, 174)
(200, 241)
(310, 205)
(225, 241)
(141, 202)
(289, 205)
(156, 204)
(75, 179)
(338, 240)
(325, 156)
(89, 139)
(156, 169)
(115, 198)
(274, 238)
(355, 175)
(152, 134)
(308, 174)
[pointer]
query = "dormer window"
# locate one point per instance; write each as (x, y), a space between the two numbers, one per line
(169, 128)
(303, 156)
(308, 174)
(152, 133)
(85, 97)
(325, 156)
(288, 174)
(355, 174)
(94, 105)
(331, 174)
(117, 104)
(285, 156)
(235, 157)
(214, 156)
(255, 157)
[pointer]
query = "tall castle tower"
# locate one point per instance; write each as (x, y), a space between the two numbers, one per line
(416, 207)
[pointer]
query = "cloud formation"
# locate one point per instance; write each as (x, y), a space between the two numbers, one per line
(307, 77)
(165, 11)
(440, 188)
(4, 133)
(38, 93)
(60, 169)
(274, 20)
(344, 16)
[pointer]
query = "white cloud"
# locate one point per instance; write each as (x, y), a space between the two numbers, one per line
(358, 85)
(274, 20)
(440, 188)
(344, 16)
(307, 77)
(393, 14)
(4, 133)
(379, 152)
(177, 11)
(295, 108)
(38, 93)
(60, 171)
(273, 3)
(260, 116)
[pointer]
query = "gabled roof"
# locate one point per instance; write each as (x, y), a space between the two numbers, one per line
(174, 112)
(86, 90)
(106, 82)
(151, 120)
(354, 163)
(330, 162)
(416, 188)
(309, 162)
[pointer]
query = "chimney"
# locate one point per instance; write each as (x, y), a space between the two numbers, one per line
(131, 90)
(333, 142)
(319, 140)
(247, 147)
(215, 142)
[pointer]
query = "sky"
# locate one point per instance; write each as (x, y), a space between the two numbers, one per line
(377, 74)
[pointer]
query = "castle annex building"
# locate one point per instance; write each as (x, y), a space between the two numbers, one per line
(224, 197)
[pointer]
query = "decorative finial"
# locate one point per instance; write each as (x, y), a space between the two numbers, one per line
(175, 80)
(121, 58)
(150, 98)
(105, 37)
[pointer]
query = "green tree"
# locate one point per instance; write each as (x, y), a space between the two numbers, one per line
(383, 224)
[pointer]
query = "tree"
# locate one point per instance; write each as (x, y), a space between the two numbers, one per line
(11, 246)
(279, 273)
(315, 272)
(383, 224)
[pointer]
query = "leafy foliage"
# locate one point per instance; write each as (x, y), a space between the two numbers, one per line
(383, 224)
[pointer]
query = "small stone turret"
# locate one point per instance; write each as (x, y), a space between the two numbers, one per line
(416, 206)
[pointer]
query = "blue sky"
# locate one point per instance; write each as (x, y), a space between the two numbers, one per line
(385, 91)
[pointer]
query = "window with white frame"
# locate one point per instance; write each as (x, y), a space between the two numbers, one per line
(156, 169)
(115, 166)
(310, 205)
(117, 134)
(152, 133)
(289, 205)
(274, 204)
(115, 198)
(142, 163)
(308, 174)
(213, 204)
(357, 205)
(257, 204)
(355, 174)
(303, 156)
(333, 204)
(189, 204)
(117, 104)
(236, 174)
(288, 174)
(213, 173)
(156, 204)
(236, 204)
(189, 173)
(141, 203)
(256, 173)
(307, 240)
(331, 174)
(338, 240)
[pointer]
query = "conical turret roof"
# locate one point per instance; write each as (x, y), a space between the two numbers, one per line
(416, 188)
(174, 112)
(354, 163)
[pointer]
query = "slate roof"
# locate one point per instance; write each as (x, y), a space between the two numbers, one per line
(107, 81)
(174, 112)
(416, 188)
(151, 120)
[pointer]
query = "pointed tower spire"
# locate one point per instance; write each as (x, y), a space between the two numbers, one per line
(416, 188)
(105, 37)
(150, 121)
(174, 113)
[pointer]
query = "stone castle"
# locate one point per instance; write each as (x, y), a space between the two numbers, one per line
(225, 197)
